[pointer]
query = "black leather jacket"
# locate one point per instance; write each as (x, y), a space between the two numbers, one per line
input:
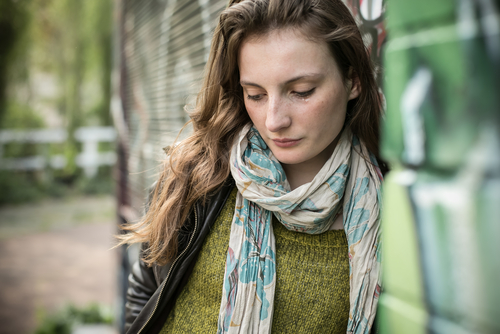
(152, 291)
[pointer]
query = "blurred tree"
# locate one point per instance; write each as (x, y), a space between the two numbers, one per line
(14, 18)
(55, 65)
(68, 42)
(80, 33)
(103, 24)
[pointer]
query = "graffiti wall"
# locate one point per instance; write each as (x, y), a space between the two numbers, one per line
(369, 15)
(441, 201)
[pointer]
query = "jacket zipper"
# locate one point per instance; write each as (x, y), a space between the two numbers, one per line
(171, 267)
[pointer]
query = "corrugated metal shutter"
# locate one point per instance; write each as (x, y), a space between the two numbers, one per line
(165, 48)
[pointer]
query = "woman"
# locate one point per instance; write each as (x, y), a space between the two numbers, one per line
(267, 217)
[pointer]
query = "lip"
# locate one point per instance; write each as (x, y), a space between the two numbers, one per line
(286, 142)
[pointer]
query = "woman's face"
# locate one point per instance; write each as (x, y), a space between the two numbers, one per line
(294, 95)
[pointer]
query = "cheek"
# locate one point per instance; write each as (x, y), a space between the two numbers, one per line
(250, 112)
(335, 106)
(319, 112)
(254, 114)
(325, 115)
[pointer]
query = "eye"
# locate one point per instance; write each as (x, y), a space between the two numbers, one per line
(254, 97)
(305, 94)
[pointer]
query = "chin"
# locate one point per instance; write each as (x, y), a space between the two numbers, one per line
(287, 160)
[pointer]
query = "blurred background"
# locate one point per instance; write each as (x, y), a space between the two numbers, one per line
(92, 91)
(57, 152)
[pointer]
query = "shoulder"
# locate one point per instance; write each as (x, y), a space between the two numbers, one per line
(198, 223)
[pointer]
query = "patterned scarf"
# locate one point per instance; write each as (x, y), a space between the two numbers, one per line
(346, 182)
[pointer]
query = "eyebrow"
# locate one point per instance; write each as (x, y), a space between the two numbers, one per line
(294, 79)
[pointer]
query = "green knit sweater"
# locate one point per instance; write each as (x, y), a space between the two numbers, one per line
(312, 282)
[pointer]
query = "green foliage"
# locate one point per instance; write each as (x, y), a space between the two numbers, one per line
(21, 116)
(101, 184)
(18, 187)
(63, 321)
(70, 152)
(14, 18)
(56, 189)
(24, 187)
(92, 314)
(55, 325)
(18, 150)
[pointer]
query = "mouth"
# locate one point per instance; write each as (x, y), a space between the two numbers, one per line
(286, 142)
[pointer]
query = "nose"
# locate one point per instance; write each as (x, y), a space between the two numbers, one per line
(277, 117)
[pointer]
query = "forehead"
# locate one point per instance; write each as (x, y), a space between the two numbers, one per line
(281, 54)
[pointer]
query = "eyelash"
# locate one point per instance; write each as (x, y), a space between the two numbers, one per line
(305, 94)
(299, 94)
(254, 97)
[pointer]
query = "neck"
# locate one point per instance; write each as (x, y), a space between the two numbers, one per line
(298, 175)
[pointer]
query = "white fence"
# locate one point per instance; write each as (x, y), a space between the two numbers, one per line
(89, 159)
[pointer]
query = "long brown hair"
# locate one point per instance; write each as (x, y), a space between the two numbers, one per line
(200, 164)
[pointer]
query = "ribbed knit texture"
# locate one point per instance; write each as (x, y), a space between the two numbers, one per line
(312, 288)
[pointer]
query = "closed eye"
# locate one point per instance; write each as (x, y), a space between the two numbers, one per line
(254, 97)
(305, 94)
